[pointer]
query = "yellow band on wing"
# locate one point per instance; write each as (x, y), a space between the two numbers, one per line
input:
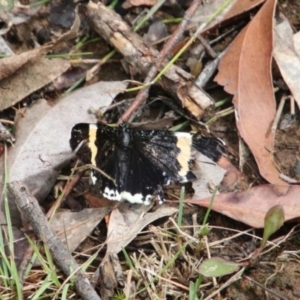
(184, 144)
(92, 142)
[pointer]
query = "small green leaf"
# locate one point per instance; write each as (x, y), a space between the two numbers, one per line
(274, 219)
(205, 230)
(215, 267)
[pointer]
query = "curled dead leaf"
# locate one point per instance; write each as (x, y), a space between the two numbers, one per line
(251, 206)
(245, 72)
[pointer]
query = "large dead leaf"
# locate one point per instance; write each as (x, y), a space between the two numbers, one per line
(245, 72)
(11, 64)
(287, 55)
(42, 137)
(251, 206)
(32, 76)
(128, 220)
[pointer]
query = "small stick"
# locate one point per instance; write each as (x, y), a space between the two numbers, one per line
(207, 47)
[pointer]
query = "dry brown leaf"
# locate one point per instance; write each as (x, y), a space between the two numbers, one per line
(127, 221)
(32, 76)
(11, 64)
(73, 227)
(287, 55)
(251, 206)
(245, 71)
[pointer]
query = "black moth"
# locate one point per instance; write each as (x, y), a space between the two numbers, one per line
(139, 161)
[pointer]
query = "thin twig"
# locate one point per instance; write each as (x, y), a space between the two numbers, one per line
(164, 54)
(207, 47)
